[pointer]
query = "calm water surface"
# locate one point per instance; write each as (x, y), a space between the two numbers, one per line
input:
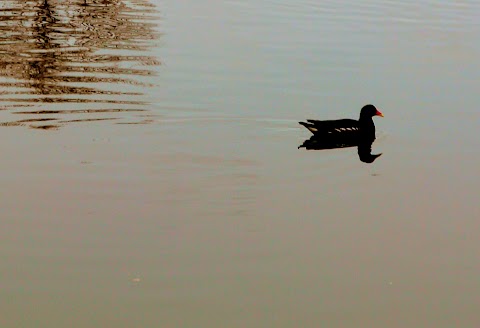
(151, 176)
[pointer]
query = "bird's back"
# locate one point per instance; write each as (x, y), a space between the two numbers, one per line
(332, 127)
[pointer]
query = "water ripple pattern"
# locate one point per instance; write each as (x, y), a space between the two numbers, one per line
(68, 61)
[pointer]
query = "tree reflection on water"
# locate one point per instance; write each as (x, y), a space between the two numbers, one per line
(70, 61)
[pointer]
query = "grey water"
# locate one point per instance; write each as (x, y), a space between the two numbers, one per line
(151, 176)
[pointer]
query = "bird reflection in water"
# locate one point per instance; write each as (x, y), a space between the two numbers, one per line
(364, 146)
(332, 134)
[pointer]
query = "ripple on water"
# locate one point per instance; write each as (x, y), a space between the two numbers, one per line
(89, 55)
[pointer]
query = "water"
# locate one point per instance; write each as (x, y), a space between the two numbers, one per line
(206, 214)
(68, 61)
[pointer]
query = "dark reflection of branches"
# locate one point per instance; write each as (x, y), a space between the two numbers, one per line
(49, 47)
(364, 145)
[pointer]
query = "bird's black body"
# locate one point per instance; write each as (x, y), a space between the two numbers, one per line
(363, 127)
(344, 133)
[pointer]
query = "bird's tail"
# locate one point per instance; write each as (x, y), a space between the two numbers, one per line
(309, 126)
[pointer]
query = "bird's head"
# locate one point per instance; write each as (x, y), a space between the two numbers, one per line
(369, 111)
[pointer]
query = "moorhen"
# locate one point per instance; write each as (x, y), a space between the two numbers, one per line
(344, 133)
(346, 128)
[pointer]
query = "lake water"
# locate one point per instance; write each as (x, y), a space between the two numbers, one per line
(151, 176)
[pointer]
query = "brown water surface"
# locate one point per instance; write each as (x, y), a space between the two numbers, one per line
(197, 209)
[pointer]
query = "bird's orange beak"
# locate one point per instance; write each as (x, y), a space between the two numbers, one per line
(378, 113)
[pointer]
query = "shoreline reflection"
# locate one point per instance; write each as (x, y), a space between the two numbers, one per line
(88, 55)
